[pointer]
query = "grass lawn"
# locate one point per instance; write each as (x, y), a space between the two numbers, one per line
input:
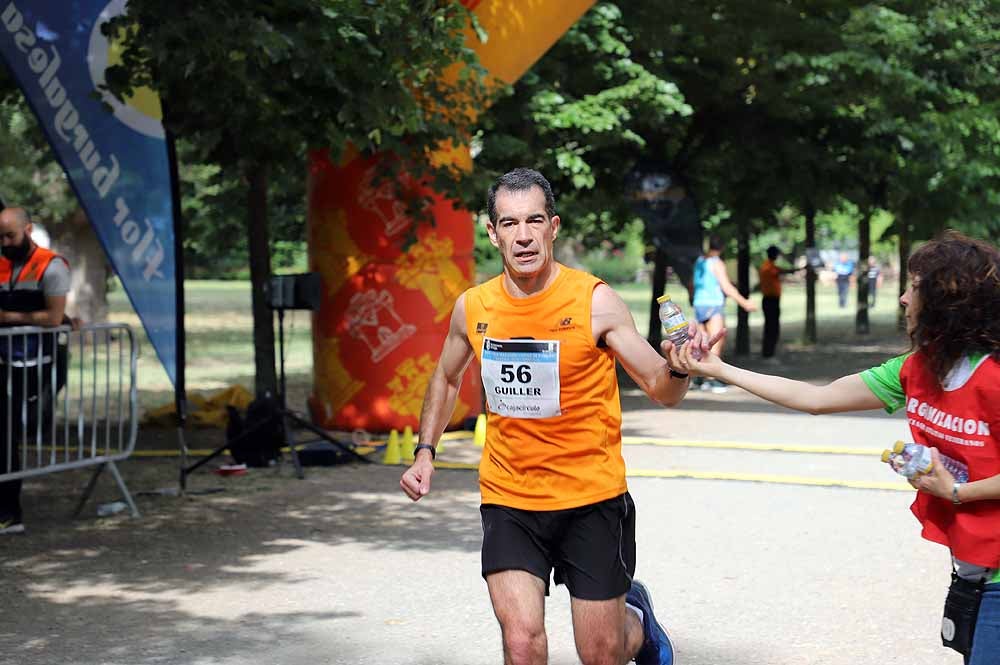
(219, 327)
(220, 346)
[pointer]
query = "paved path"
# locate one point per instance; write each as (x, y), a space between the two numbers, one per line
(341, 568)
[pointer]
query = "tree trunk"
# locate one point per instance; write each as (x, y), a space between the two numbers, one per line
(904, 258)
(76, 241)
(265, 380)
(659, 286)
(861, 325)
(743, 284)
(810, 329)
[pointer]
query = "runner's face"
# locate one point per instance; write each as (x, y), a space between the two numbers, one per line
(910, 300)
(523, 232)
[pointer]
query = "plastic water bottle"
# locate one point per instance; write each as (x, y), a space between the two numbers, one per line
(913, 459)
(675, 325)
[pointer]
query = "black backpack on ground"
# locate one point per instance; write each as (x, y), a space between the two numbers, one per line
(256, 439)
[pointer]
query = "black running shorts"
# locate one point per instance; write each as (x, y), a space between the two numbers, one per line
(591, 548)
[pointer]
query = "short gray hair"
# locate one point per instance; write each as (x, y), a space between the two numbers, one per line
(520, 179)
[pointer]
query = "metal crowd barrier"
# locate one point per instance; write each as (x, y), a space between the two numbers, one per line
(68, 401)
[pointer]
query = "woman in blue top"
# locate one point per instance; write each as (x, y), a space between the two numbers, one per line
(711, 286)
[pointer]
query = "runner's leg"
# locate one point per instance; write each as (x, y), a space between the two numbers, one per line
(519, 604)
(606, 633)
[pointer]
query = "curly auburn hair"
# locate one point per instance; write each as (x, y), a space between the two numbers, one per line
(957, 279)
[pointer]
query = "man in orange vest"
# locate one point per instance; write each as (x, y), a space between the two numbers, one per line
(552, 475)
(34, 282)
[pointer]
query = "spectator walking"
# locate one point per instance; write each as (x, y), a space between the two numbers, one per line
(844, 268)
(874, 280)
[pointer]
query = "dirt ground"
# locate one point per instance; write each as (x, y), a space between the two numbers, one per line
(147, 476)
(239, 560)
(154, 481)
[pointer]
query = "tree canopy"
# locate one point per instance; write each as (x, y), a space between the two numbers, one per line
(253, 86)
(881, 113)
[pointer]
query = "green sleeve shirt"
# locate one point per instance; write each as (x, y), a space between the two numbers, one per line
(884, 382)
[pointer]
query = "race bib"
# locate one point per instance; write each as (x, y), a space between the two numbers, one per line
(521, 377)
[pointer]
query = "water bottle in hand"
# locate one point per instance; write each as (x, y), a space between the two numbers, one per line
(675, 325)
(913, 459)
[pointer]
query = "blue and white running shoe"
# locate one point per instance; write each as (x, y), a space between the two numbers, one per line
(656, 647)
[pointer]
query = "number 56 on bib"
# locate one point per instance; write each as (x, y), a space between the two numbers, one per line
(521, 377)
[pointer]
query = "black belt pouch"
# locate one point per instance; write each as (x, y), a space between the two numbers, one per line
(961, 609)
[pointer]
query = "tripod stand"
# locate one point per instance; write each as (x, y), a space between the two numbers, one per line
(287, 415)
(285, 292)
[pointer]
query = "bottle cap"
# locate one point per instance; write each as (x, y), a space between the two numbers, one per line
(662, 299)
(898, 447)
(886, 454)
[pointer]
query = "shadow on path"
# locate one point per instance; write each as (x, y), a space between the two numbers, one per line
(123, 582)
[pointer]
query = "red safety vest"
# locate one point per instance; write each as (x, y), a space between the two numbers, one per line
(964, 424)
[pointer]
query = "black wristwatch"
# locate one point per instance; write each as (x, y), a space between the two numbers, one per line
(678, 375)
(425, 446)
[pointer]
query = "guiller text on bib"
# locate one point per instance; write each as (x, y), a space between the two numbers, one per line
(521, 377)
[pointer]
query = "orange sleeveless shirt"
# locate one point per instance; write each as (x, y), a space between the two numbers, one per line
(558, 461)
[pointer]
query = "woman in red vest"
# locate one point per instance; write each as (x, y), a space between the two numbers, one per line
(949, 384)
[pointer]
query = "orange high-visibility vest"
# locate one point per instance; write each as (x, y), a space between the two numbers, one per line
(22, 292)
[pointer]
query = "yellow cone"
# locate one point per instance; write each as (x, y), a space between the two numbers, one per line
(392, 449)
(406, 447)
(408, 438)
(479, 436)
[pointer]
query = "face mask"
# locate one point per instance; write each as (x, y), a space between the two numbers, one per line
(17, 252)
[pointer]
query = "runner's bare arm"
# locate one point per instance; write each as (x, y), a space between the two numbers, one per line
(439, 401)
(442, 391)
(612, 321)
(848, 393)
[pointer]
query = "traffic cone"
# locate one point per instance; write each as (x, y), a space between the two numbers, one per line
(407, 442)
(479, 436)
(406, 447)
(392, 449)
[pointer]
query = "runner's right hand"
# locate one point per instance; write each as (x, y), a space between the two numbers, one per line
(416, 481)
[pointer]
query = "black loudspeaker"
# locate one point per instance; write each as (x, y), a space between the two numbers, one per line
(300, 291)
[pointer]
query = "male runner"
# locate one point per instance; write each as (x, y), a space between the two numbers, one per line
(552, 475)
